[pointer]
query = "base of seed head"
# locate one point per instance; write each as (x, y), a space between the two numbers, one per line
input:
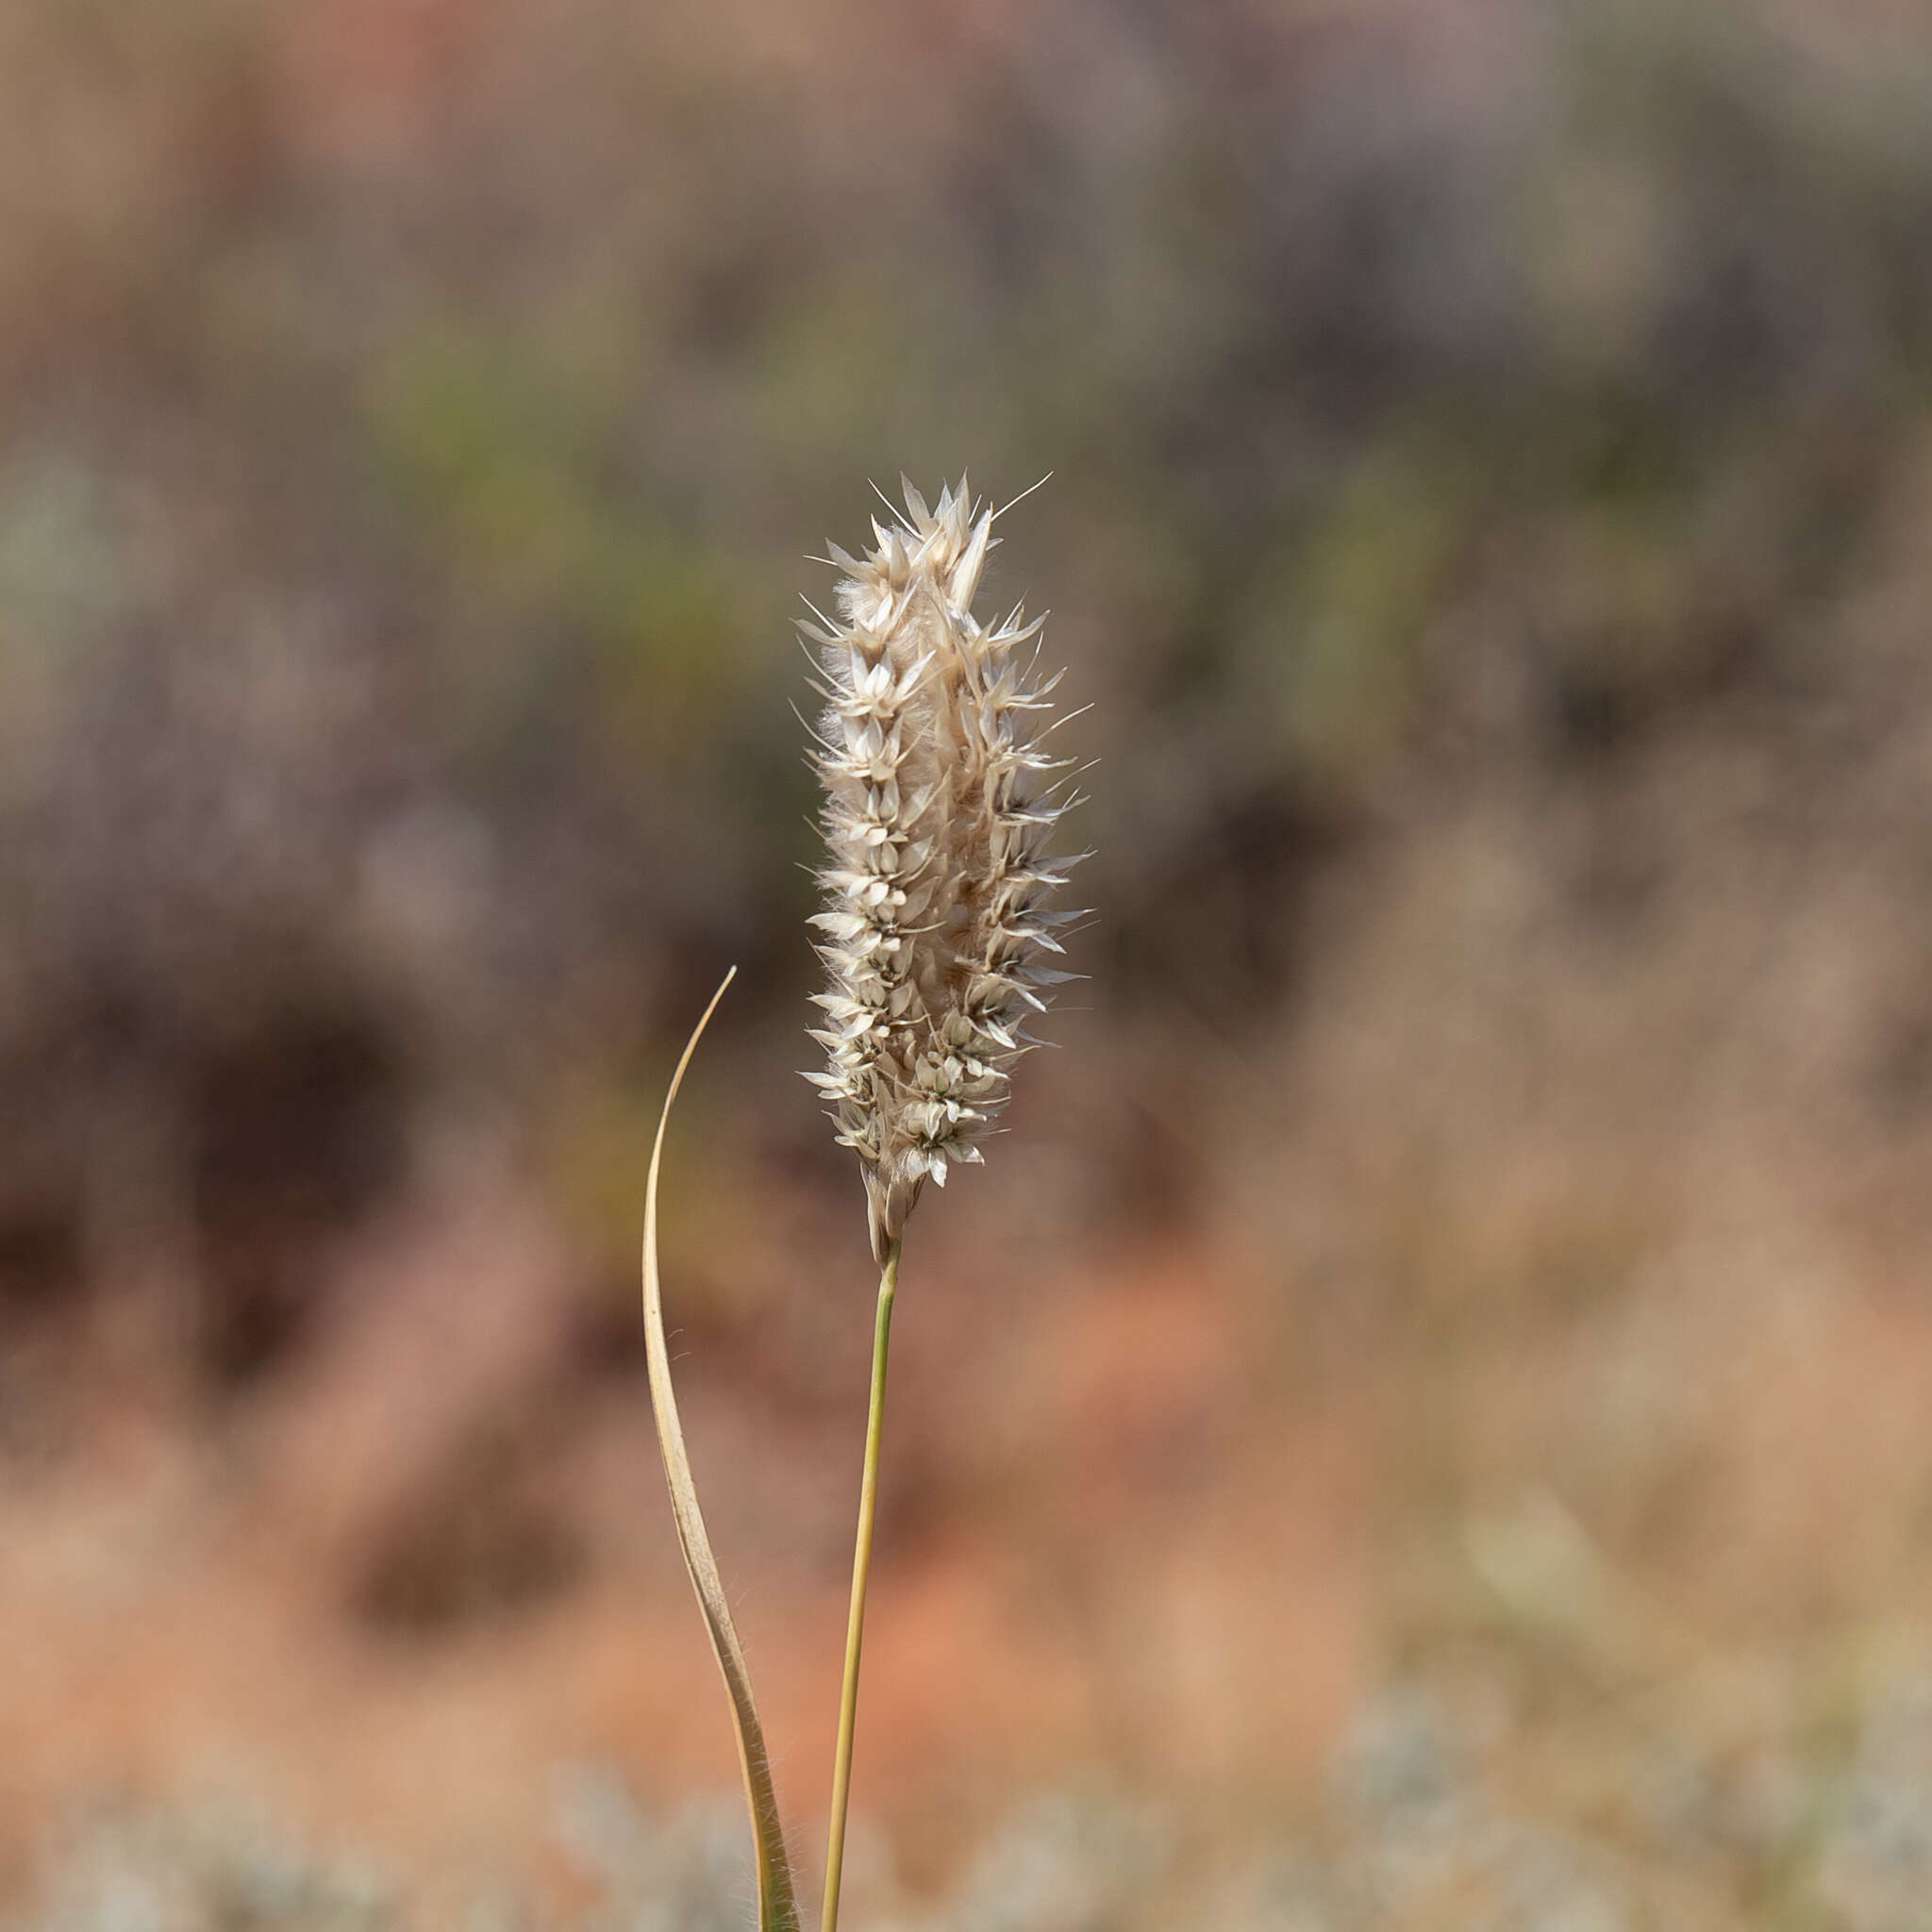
(939, 800)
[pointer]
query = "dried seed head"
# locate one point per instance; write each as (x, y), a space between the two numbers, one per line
(939, 802)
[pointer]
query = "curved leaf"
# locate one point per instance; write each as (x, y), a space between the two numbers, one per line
(778, 1907)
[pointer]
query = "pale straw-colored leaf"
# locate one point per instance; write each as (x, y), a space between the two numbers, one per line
(777, 1908)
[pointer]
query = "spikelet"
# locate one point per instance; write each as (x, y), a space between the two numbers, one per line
(938, 806)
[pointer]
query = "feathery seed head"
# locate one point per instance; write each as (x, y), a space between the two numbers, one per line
(938, 806)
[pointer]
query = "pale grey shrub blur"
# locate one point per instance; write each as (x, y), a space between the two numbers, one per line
(1432, 1821)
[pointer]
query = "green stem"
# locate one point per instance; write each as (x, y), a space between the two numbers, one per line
(861, 1570)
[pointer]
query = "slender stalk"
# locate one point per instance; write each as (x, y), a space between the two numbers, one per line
(862, 1571)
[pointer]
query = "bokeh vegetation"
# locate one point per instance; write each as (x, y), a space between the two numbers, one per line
(1471, 1259)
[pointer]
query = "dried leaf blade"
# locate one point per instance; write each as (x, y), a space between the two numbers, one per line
(777, 1906)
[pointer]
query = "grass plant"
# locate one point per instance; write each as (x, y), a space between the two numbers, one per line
(940, 943)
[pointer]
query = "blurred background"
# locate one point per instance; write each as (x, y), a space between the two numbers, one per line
(1426, 1421)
